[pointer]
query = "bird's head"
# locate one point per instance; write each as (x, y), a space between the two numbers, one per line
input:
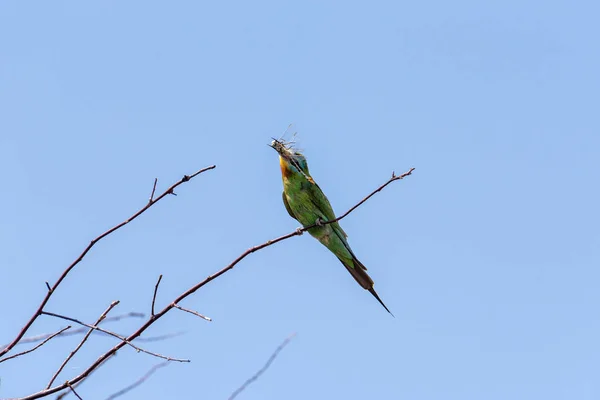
(290, 159)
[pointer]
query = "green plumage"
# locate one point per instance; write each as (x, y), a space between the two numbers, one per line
(305, 201)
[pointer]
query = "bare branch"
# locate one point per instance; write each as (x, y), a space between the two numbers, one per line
(37, 338)
(392, 179)
(139, 381)
(123, 339)
(153, 190)
(264, 368)
(78, 331)
(87, 335)
(38, 346)
(197, 286)
(192, 312)
(64, 274)
(155, 291)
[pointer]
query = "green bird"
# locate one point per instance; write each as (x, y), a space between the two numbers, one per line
(305, 202)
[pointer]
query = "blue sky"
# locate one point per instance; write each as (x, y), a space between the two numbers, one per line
(488, 255)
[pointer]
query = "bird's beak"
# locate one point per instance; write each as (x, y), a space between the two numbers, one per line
(277, 146)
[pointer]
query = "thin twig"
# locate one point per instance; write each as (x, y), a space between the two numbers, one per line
(87, 335)
(64, 274)
(73, 390)
(192, 312)
(39, 345)
(78, 331)
(37, 338)
(138, 382)
(153, 190)
(194, 288)
(263, 369)
(380, 188)
(155, 291)
(122, 338)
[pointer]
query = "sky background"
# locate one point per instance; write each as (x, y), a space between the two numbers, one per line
(488, 254)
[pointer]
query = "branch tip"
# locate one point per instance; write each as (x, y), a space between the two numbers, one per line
(38, 346)
(151, 200)
(155, 291)
(191, 312)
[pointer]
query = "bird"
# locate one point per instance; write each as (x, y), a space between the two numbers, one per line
(306, 203)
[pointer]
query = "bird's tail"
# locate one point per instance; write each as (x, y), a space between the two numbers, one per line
(374, 293)
(359, 273)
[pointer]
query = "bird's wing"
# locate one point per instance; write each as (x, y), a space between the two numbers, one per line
(287, 205)
(321, 202)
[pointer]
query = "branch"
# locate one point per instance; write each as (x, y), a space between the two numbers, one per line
(155, 291)
(52, 289)
(38, 346)
(379, 189)
(37, 338)
(138, 382)
(87, 335)
(123, 339)
(263, 369)
(73, 332)
(197, 286)
(74, 392)
(151, 199)
(197, 314)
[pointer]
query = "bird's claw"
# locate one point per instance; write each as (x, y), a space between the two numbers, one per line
(319, 222)
(300, 230)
